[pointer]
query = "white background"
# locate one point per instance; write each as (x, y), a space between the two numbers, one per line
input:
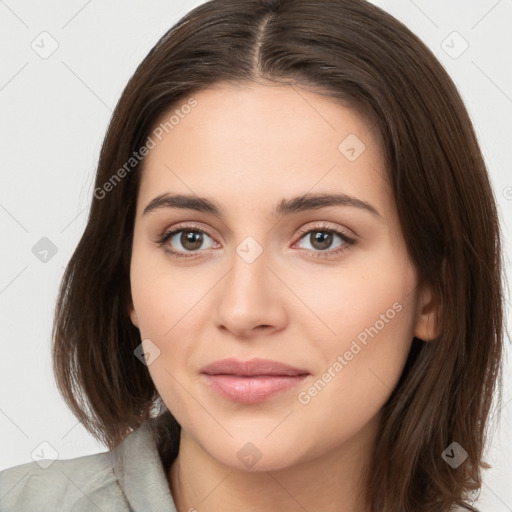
(54, 116)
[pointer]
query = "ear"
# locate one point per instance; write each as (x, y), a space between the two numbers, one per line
(426, 327)
(133, 315)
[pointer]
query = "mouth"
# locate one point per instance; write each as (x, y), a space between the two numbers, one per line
(252, 368)
(252, 381)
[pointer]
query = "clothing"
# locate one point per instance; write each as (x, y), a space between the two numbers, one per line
(129, 478)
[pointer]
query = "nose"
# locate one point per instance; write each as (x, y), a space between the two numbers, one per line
(251, 299)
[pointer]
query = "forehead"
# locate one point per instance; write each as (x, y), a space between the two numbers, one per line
(249, 143)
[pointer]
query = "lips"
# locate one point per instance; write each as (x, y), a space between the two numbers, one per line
(251, 382)
(253, 367)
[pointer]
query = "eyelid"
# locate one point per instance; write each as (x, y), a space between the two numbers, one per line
(192, 227)
(186, 226)
(325, 226)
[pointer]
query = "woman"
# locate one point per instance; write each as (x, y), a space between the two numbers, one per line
(288, 294)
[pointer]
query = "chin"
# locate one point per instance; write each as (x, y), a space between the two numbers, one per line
(254, 456)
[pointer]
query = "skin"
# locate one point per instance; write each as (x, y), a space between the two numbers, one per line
(248, 148)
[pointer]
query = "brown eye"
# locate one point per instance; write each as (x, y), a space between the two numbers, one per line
(185, 240)
(191, 240)
(325, 242)
(321, 240)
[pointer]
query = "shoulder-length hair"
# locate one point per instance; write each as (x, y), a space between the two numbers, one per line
(363, 58)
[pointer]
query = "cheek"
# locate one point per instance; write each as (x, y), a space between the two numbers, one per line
(362, 327)
(361, 370)
(167, 303)
(172, 306)
(369, 313)
(372, 290)
(165, 296)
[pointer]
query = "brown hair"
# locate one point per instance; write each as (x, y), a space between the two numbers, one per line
(360, 56)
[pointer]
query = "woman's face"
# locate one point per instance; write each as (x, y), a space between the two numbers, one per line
(323, 285)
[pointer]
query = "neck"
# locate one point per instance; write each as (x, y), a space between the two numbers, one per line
(331, 482)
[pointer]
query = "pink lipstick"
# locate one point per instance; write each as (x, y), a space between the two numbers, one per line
(251, 381)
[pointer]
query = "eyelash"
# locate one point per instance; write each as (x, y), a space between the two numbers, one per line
(165, 236)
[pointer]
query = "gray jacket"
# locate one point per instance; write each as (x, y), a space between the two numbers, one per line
(129, 478)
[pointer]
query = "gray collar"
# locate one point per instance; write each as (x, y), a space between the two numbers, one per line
(140, 472)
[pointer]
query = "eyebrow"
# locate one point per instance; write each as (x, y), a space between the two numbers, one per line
(296, 204)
